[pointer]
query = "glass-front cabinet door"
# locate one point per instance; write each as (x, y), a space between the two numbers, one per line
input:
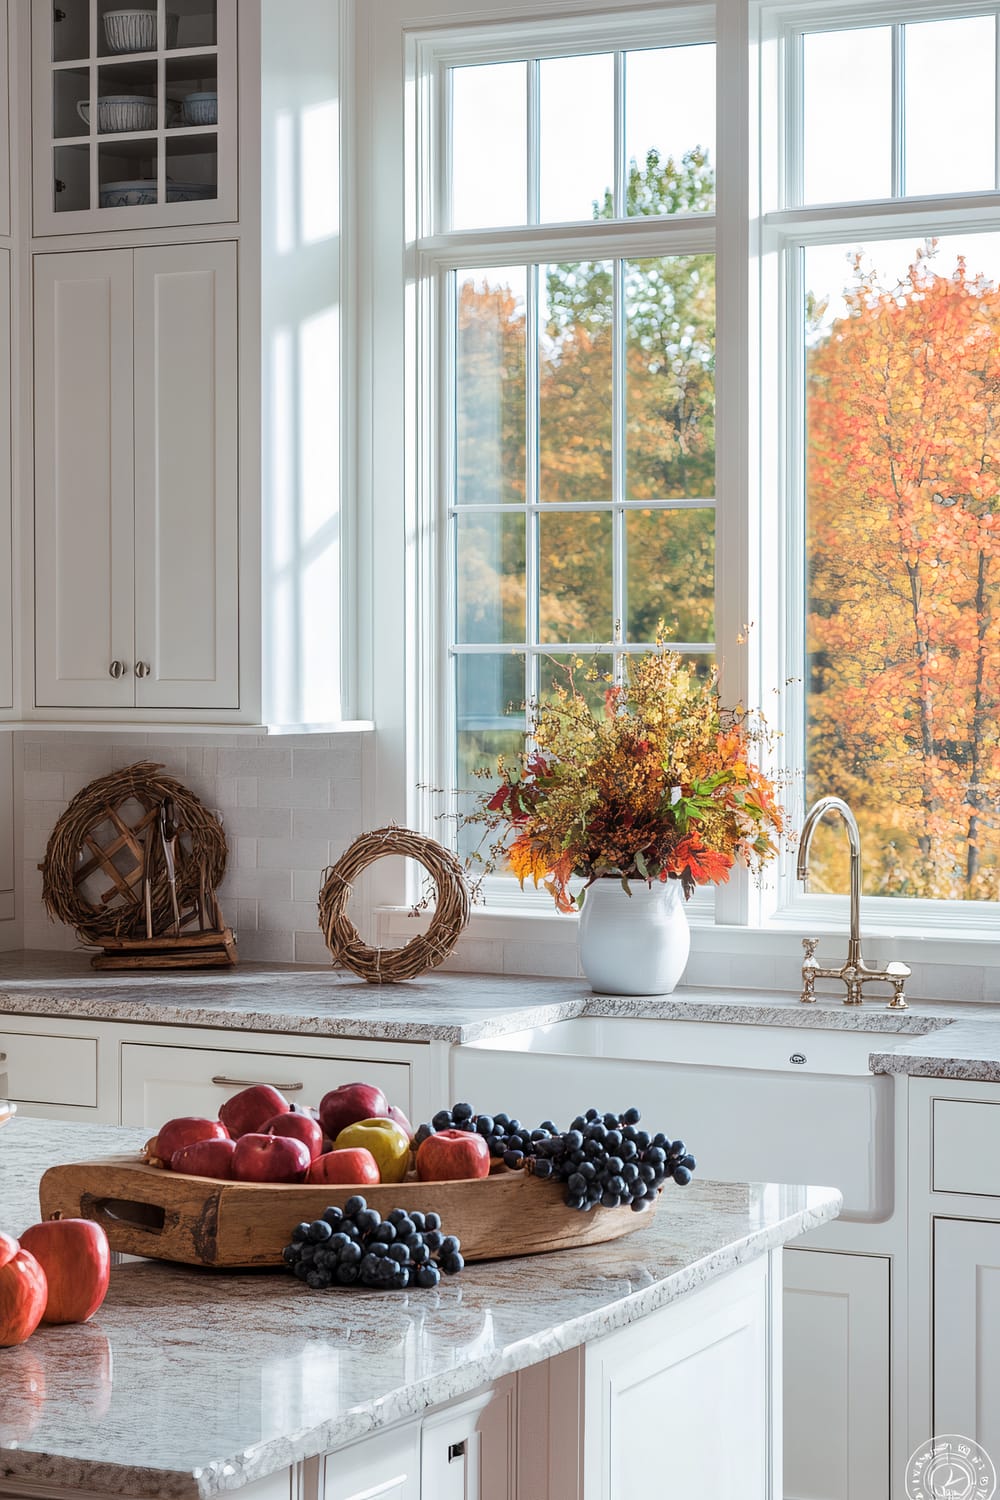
(134, 113)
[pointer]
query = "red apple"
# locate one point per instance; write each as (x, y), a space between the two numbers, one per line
(270, 1158)
(300, 1128)
(23, 1292)
(393, 1113)
(76, 1259)
(451, 1155)
(248, 1112)
(183, 1132)
(205, 1159)
(350, 1103)
(352, 1165)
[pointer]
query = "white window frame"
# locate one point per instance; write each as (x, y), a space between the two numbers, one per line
(401, 46)
(787, 227)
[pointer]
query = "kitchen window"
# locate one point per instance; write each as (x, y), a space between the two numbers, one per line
(641, 339)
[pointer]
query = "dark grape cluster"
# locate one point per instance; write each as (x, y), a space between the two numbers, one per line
(354, 1245)
(604, 1159)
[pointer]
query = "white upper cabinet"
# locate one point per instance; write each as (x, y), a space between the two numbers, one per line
(134, 114)
(136, 527)
(186, 490)
(84, 513)
(6, 574)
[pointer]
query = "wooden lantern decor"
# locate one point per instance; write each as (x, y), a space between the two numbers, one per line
(425, 951)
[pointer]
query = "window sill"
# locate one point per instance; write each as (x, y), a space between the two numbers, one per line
(963, 966)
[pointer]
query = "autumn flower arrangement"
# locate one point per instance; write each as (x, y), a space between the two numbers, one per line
(662, 786)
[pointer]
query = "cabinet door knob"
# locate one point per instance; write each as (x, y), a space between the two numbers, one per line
(117, 669)
(142, 669)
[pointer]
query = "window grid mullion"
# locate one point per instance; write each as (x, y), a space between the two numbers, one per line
(534, 171)
(532, 519)
(619, 599)
(618, 195)
(898, 113)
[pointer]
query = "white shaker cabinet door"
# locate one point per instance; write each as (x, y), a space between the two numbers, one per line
(836, 1378)
(383, 1467)
(186, 490)
(967, 1331)
(83, 480)
(6, 573)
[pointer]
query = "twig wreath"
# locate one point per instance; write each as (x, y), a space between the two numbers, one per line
(92, 871)
(427, 949)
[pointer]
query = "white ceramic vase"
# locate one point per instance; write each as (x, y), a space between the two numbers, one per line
(634, 944)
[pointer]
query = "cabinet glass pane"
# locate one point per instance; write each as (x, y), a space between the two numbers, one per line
(127, 97)
(129, 31)
(575, 576)
(71, 178)
(127, 173)
(70, 30)
(490, 386)
(847, 107)
(671, 574)
(192, 168)
(577, 129)
(70, 103)
(197, 23)
(192, 92)
(490, 549)
(489, 145)
(670, 111)
(574, 379)
(950, 74)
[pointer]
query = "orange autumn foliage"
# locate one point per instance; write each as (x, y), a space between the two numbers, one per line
(904, 577)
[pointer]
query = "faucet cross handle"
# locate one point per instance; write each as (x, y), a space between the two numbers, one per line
(809, 967)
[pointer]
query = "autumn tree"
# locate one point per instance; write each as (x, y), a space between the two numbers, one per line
(903, 542)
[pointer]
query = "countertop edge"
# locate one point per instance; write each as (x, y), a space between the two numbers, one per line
(412, 1400)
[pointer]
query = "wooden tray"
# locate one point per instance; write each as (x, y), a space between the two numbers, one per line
(201, 1222)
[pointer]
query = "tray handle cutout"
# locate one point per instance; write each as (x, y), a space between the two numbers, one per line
(123, 1211)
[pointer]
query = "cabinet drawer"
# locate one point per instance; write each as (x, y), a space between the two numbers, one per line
(159, 1083)
(50, 1069)
(966, 1147)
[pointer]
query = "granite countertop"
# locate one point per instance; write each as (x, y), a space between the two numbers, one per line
(459, 1008)
(188, 1383)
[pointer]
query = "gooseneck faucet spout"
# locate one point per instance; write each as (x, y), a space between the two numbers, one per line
(816, 813)
(855, 973)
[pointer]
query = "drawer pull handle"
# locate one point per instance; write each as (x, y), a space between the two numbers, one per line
(250, 1083)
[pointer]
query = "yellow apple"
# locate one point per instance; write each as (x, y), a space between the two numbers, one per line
(387, 1142)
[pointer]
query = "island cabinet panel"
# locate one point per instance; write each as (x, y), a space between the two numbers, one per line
(160, 1082)
(836, 1375)
(50, 1070)
(680, 1403)
(467, 1450)
(966, 1322)
(385, 1467)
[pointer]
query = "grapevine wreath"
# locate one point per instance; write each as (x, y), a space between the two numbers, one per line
(428, 949)
(99, 841)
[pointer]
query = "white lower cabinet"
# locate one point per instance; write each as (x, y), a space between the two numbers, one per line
(683, 1402)
(44, 1070)
(836, 1376)
(384, 1467)
(966, 1393)
(161, 1082)
(6, 570)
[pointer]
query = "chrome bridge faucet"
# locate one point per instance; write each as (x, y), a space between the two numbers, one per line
(855, 972)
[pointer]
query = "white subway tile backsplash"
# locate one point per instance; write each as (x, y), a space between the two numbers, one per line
(308, 792)
(283, 809)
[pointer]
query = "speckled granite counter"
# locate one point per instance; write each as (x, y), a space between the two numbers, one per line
(966, 1049)
(189, 1383)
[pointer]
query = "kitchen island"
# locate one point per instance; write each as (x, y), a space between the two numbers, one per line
(545, 1378)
